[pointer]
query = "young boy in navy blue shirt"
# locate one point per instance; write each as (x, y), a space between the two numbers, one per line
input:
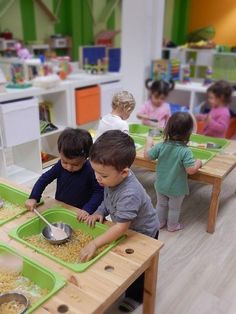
(76, 182)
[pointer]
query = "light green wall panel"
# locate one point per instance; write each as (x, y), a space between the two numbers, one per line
(44, 27)
(12, 20)
(117, 41)
(169, 8)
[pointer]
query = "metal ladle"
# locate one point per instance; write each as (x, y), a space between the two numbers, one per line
(57, 233)
(1, 203)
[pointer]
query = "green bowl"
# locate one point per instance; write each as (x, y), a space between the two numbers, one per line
(38, 274)
(139, 141)
(56, 214)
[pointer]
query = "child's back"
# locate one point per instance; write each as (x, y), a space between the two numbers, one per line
(123, 104)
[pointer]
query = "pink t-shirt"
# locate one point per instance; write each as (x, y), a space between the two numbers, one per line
(161, 113)
(219, 122)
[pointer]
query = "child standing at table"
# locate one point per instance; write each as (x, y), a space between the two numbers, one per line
(125, 200)
(76, 182)
(156, 111)
(123, 104)
(217, 120)
(175, 162)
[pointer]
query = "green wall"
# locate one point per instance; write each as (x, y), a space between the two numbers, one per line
(27, 22)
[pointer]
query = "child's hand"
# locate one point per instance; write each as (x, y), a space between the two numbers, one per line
(199, 163)
(208, 118)
(82, 215)
(88, 252)
(30, 204)
(91, 219)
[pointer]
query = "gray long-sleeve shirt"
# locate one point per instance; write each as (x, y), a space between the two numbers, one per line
(129, 202)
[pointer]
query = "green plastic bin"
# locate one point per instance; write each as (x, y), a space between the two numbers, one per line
(14, 196)
(38, 274)
(202, 139)
(202, 154)
(56, 214)
(139, 141)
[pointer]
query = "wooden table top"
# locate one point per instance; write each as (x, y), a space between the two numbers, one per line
(219, 166)
(96, 289)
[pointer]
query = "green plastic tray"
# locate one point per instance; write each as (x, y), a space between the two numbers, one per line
(56, 214)
(202, 154)
(136, 129)
(139, 129)
(14, 196)
(40, 275)
(202, 139)
(139, 141)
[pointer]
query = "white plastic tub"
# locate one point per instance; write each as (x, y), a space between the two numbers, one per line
(19, 121)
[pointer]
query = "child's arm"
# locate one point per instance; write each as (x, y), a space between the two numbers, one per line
(201, 116)
(194, 169)
(110, 235)
(219, 124)
(97, 195)
(148, 145)
(40, 186)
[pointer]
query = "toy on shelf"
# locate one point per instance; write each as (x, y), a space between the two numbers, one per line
(22, 53)
(175, 69)
(62, 66)
(93, 59)
(186, 74)
(160, 70)
(208, 76)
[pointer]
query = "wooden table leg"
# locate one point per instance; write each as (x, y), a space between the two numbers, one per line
(214, 205)
(150, 284)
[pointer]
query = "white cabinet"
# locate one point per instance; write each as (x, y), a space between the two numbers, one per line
(20, 140)
(21, 143)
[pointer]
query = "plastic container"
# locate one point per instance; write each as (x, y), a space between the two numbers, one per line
(38, 274)
(60, 214)
(19, 121)
(202, 139)
(14, 196)
(139, 141)
(139, 129)
(87, 104)
(204, 155)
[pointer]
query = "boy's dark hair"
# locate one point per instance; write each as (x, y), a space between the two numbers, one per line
(159, 87)
(74, 143)
(113, 148)
(179, 127)
(221, 88)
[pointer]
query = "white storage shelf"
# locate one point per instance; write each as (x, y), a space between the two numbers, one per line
(25, 155)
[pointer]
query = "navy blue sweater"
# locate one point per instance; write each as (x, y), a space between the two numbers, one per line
(79, 189)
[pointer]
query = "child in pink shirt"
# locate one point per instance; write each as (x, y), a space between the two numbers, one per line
(217, 120)
(156, 111)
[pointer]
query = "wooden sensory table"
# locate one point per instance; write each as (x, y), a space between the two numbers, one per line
(213, 172)
(97, 288)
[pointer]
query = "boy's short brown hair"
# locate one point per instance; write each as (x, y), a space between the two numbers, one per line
(74, 143)
(113, 148)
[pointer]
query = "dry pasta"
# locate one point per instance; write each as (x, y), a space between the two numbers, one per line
(10, 281)
(9, 210)
(68, 252)
(12, 307)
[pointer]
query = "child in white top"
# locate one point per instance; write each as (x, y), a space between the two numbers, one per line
(156, 111)
(123, 104)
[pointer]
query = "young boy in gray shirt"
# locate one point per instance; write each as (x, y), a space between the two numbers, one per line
(125, 199)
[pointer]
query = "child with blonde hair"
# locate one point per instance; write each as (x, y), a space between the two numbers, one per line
(123, 104)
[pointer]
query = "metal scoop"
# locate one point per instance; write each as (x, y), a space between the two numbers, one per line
(57, 233)
(213, 145)
(1, 203)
